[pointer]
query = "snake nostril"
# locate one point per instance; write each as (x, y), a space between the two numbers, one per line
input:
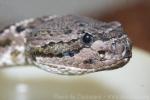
(101, 53)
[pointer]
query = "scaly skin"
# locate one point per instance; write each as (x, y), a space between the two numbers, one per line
(68, 44)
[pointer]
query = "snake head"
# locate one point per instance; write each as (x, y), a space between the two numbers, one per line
(77, 45)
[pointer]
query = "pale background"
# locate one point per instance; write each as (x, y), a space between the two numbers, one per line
(16, 10)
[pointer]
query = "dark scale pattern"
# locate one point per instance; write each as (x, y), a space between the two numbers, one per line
(20, 29)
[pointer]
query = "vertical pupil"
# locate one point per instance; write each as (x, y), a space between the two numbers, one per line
(87, 38)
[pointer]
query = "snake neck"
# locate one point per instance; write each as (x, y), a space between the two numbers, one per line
(13, 41)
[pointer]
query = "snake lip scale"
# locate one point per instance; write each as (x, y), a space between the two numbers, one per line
(66, 45)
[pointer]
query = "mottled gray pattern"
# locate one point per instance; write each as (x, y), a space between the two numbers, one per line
(69, 44)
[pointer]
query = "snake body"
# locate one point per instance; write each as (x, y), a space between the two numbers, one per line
(69, 44)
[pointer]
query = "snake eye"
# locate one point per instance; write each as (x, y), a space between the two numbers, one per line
(87, 38)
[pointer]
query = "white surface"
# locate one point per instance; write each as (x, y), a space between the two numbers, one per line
(131, 82)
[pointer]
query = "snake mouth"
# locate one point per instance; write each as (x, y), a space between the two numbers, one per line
(70, 70)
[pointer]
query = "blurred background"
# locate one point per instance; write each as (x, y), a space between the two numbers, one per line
(133, 14)
(128, 83)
